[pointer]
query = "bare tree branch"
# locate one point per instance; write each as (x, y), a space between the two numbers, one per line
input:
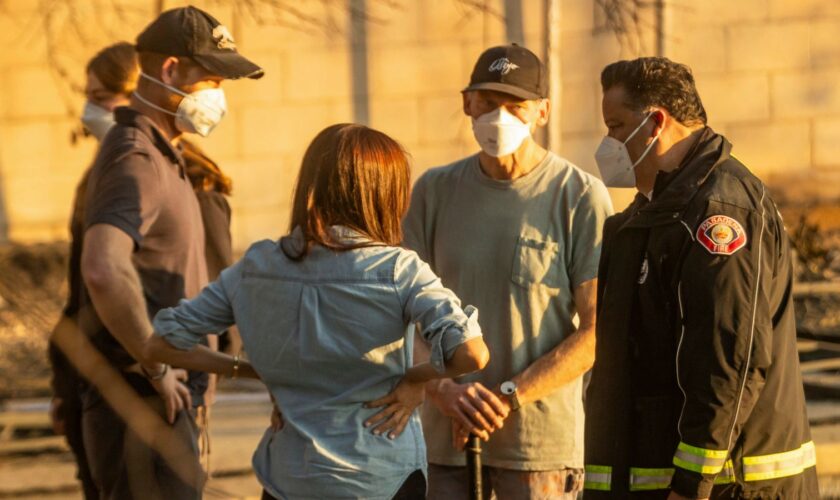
(628, 21)
(474, 7)
(288, 14)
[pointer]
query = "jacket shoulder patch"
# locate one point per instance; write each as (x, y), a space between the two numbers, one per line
(721, 235)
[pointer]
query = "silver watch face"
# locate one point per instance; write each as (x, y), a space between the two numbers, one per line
(508, 388)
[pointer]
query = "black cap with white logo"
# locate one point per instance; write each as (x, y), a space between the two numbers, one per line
(193, 33)
(510, 69)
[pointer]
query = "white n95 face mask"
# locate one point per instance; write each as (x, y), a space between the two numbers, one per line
(500, 133)
(614, 163)
(198, 113)
(97, 120)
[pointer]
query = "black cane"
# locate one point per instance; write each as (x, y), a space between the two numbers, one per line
(473, 452)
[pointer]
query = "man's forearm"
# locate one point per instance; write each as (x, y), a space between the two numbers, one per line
(573, 357)
(118, 299)
(569, 360)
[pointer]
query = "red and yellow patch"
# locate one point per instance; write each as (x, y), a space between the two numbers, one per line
(721, 235)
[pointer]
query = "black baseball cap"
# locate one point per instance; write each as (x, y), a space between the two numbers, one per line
(511, 69)
(193, 33)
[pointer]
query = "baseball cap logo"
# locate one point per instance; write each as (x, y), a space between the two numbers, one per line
(502, 65)
(223, 38)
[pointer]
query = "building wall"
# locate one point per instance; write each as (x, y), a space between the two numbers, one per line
(766, 70)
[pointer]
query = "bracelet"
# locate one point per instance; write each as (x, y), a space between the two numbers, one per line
(157, 377)
(235, 367)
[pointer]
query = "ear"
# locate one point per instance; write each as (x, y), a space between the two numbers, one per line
(465, 102)
(544, 110)
(660, 119)
(169, 70)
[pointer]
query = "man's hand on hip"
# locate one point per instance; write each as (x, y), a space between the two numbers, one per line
(175, 395)
(56, 416)
(476, 409)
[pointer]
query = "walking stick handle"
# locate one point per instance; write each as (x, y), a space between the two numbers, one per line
(473, 456)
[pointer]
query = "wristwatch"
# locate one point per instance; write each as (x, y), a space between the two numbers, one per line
(508, 388)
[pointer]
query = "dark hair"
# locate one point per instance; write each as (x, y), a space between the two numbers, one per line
(657, 81)
(204, 173)
(152, 62)
(116, 68)
(352, 176)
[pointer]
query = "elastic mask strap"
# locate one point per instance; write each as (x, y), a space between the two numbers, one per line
(167, 87)
(633, 133)
(151, 104)
(648, 148)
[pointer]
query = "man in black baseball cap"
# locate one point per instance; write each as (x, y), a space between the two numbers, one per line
(193, 33)
(184, 56)
(507, 99)
(512, 70)
(143, 251)
(535, 220)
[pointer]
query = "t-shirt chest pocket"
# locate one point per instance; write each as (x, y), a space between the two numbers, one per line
(538, 262)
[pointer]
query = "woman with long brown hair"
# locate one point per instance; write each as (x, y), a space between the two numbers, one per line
(324, 315)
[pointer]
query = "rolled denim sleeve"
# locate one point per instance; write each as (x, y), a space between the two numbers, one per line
(444, 325)
(210, 312)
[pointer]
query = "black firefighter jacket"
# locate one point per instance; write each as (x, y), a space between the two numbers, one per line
(696, 384)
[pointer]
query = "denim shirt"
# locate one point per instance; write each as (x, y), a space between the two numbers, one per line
(327, 334)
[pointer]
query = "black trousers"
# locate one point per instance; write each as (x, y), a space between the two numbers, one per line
(414, 488)
(71, 413)
(125, 467)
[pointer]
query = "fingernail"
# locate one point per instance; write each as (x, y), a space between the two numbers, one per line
(391, 436)
(367, 424)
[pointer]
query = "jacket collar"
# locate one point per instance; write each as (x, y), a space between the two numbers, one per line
(674, 190)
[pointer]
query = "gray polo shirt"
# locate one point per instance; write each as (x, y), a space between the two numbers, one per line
(516, 250)
(138, 184)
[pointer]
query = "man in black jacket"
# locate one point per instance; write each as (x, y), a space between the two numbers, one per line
(696, 390)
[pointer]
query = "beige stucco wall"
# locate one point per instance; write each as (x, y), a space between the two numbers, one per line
(767, 70)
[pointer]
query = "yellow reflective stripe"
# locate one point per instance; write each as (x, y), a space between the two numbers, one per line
(699, 459)
(727, 475)
(780, 457)
(702, 452)
(644, 479)
(776, 465)
(598, 477)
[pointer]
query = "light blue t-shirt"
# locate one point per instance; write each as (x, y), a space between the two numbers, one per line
(326, 335)
(516, 249)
